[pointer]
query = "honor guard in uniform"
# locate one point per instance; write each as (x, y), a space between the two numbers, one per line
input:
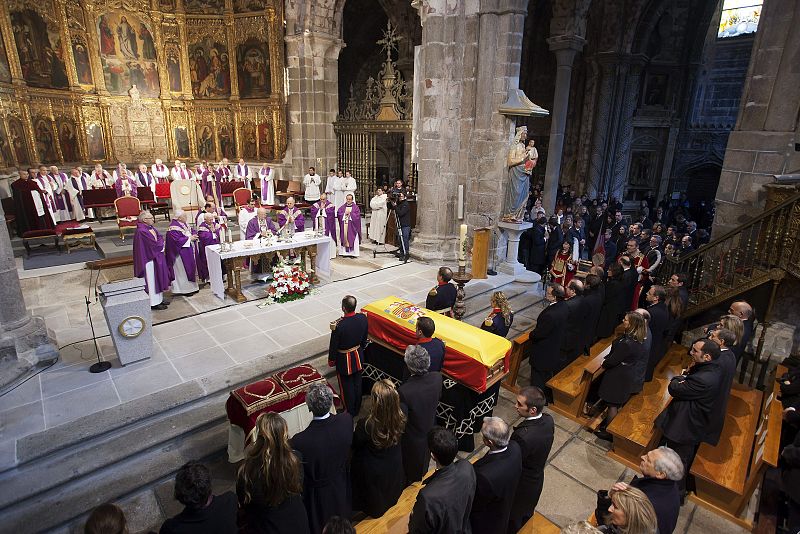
(501, 317)
(442, 297)
(346, 352)
(435, 347)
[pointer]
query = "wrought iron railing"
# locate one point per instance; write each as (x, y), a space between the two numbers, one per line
(758, 251)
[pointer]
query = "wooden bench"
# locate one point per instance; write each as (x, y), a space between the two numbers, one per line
(571, 385)
(519, 346)
(727, 474)
(632, 429)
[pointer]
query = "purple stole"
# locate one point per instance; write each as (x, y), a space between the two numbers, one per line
(243, 171)
(177, 235)
(185, 174)
(254, 228)
(118, 186)
(165, 178)
(225, 174)
(148, 245)
(103, 178)
(299, 220)
(79, 183)
(326, 213)
(62, 199)
(351, 228)
(144, 179)
(206, 236)
(211, 187)
(48, 196)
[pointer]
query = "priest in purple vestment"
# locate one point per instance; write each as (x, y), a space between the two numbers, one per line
(290, 216)
(125, 185)
(208, 234)
(61, 194)
(260, 225)
(349, 217)
(323, 213)
(180, 254)
(149, 261)
(210, 184)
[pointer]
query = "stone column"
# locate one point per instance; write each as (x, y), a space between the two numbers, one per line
(604, 123)
(621, 163)
(313, 72)
(565, 47)
(24, 339)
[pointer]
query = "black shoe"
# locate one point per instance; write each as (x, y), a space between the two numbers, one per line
(604, 434)
(161, 306)
(405, 258)
(193, 293)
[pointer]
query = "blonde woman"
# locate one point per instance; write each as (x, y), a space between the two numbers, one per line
(376, 471)
(270, 482)
(631, 512)
(501, 317)
(626, 352)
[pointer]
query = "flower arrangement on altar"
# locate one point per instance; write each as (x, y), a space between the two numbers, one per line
(289, 282)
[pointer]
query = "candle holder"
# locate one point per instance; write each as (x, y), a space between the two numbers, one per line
(461, 277)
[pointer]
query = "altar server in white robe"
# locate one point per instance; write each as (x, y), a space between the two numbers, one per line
(311, 182)
(329, 182)
(160, 171)
(242, 173)
(267, 177)
(377, 222)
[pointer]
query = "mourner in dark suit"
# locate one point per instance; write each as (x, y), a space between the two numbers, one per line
(659, 327)
(444, 503)
(497, 475)
(679, 280)
(629, 278)
(661, 469)
(727, 371)
(376, 473)
(534, 435)
(685, 421)
(346, 352)
(442, 297)
(619, 365)
(743, 311)
(554, 240)
(420, 396)
(613, 302)
(593, 297)
(435, 346)
(547, 337)
(325, 448)
(790, 479)
(577, 318)
(537, 258)
(202, 512)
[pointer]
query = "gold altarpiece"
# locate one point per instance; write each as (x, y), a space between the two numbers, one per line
(134, 80)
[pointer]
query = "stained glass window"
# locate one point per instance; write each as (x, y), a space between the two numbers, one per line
(739, 17)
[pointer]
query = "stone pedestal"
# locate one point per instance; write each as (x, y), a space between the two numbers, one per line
(126, 307)
(25, 342)
(511, 233)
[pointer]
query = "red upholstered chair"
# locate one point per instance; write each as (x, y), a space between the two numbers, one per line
(128, 209)
(241, 197)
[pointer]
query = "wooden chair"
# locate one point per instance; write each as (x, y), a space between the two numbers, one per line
(128, 209)
(241, 197)
(293, 189)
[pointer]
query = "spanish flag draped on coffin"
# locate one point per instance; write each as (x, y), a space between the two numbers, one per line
(473, 357)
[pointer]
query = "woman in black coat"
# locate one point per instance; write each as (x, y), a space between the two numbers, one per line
(270, 482)
(616, 384)
(376, 469)
(614, 304)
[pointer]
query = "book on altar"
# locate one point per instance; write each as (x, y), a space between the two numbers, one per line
(473, 357)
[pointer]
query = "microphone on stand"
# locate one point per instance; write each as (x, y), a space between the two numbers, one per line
(491, 272)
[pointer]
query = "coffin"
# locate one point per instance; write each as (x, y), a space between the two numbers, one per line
(473, 357)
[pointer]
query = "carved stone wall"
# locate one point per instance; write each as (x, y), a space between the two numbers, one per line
(208, 78)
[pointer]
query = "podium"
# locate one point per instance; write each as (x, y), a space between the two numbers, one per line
(126, 307)
(480, 252)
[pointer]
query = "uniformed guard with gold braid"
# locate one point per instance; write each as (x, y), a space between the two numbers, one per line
(346, 352)
(442, 297)
(501, 317)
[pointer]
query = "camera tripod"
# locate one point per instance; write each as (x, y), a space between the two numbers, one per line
(399, 236)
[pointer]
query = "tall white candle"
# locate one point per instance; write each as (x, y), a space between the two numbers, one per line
(462, 239)
(460, 202)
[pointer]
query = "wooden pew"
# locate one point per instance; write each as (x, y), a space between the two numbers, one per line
(519, 346)
(633, 430)
(727, 474)
(571, 385)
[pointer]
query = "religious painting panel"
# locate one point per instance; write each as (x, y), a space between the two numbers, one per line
(643, 168)
(227, 141)
(5, 71)
(655, 90)
(209, 67)
(45, 142)
(6, 155)
(249, 143)
(266, 142)
(128, 54)
(248, 6)
(17, 140)
(82, 67)
(205, 142)
(95, 141)
(68, 140)
(252, 59)
(174, 69)
(168, 6)
(181, 141)
(204, 7)
(39, 49)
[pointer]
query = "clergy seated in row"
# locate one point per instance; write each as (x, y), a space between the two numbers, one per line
(160, 172)
(181, 255)
(100, 178)
(145, 179)
(208, 233)
(349, 217)
(291, 218)
(31, 204)
(63, 194)
(149, 261)
(181, 172)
